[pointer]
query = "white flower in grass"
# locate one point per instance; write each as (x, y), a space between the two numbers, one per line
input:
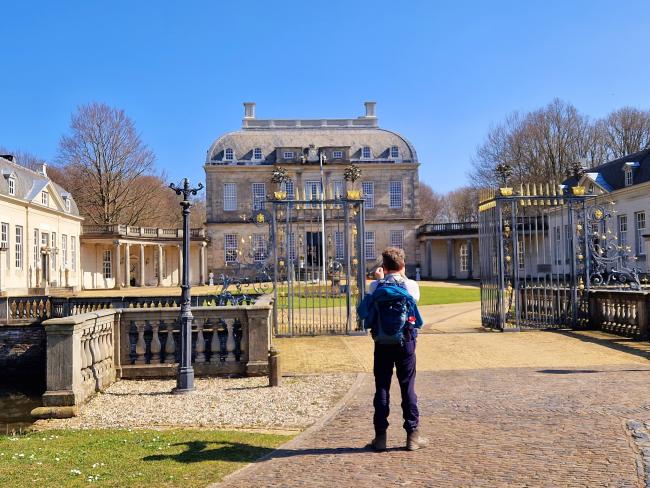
(75, 472)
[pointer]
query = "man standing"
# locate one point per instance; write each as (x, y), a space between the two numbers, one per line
(390, 312)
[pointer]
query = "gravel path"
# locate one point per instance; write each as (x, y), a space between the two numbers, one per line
(217, 402)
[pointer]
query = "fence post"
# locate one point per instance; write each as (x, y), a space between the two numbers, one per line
(642, 316)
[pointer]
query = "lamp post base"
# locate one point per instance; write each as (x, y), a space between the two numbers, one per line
(184, 382)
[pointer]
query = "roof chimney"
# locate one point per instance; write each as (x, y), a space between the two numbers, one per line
(8, 157)
(43, 169)
(249, 110)
(370, 109)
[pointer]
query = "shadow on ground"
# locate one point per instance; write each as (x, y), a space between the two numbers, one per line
(622, 344)
(202, 451)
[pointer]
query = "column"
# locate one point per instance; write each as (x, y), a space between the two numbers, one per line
(428, 258)
(450, 259)
(127, 265)
(202, 263)
(160, 264)
(180, 265)
(116, 266)
(470, 260)
(143, 280)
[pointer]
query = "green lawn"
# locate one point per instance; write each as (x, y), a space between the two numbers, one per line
(125, 458)
(434, 295)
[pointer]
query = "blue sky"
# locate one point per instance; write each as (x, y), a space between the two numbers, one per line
(441, 72)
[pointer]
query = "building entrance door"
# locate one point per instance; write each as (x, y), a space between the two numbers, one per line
(314, 241)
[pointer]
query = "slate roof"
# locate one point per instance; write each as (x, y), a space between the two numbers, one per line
(611, 175)
(244, 141)
(29, 183)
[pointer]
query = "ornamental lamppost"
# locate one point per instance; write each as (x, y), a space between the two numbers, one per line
(185, 377)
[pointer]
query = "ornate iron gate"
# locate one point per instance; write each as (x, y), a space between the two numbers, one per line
(541, 250)
(317, 251)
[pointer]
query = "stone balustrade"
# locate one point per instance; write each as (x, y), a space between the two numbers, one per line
(620, 312)
(87, 352)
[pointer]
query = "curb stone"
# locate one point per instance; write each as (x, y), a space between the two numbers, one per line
(240, 474)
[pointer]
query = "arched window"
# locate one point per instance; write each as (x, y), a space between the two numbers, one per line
(228, 154)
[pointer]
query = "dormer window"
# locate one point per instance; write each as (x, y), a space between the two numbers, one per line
(67, 205)
(337, 154)
(394, 152)
(366, 153)
(629, 177)
(228, 154)
(288, 155)
(45, 198)
(12, 185)
(257, 154)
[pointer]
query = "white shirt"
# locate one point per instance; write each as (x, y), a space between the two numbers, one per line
(411, 285)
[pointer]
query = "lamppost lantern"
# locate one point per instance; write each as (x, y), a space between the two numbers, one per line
(185, 376)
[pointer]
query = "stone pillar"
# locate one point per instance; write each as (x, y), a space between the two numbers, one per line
(116, 266)
(450, 259)
(180, 265)
(127, 265)
(428, 258)
(3, 278)
(143, 280)
(160, 264)
(202, 263)
(470, 260)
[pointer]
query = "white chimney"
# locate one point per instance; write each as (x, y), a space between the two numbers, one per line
(43, 169)
(370, 109)
(249, 110)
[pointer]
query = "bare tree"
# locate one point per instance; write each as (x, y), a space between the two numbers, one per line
(431, 204)
(24, 158)
(625, 131)
(106, 163)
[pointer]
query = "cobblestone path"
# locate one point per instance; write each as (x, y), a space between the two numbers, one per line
(524, 427)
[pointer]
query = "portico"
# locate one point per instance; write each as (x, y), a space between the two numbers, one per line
(449, 251)
(120, 256)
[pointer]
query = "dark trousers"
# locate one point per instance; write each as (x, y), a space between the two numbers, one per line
(403, 359)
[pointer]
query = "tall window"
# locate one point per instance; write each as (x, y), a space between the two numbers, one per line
(64, 250)
(73, 252)
(107, 264)
(337, 154)
(558, 245)
(291, 243)
(371, 253)
(629, 177)
(257, 153)
(259, 247)
(366, 153)
(230, 248)
(288, 187)
(463, 255)
(312, 191)
(394, 152)
(338, 189)
(259, 195)
(397, 238)
(395, 190)
(67, 205)
(622, 231)
(12, 185)
(229, 197)
(35, 247)
(19, 247)
(368, 188)
(339, 244)
(228, 154)
(4, 239)
(164, 263)
(639, 227)
(54, 250)
(156, 263)
(45, 198)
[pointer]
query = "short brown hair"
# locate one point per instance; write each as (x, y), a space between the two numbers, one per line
(393, 258)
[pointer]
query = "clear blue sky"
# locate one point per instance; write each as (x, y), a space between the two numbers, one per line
(441, 73)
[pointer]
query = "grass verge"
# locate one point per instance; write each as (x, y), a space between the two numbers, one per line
(438, 295)
(128, 458)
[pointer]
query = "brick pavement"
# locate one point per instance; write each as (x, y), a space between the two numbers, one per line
(523, 427)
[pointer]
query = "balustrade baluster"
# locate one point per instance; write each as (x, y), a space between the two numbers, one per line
(140, 345)
(87, 359)
(199, 346)
(214, 342)
(170, 344)
(230, 342)
(155, 342)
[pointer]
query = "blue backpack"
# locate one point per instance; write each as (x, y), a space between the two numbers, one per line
(392, 313)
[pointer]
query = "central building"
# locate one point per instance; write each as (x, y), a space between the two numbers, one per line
(239, 169)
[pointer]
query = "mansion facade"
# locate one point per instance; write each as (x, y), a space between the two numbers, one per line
(39, 232)
(240, 164)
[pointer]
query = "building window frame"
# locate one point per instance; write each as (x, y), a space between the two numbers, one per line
(339, 245)
(463, 257)
(288, 155)
(259, 248)
(229, 197)
(18, 247)
(639, 230)
(45, 198)
(312, 191)
(366, 152)
(37, 241)
(289, 188)
(337, 154)
(371, 251)
(629, 177)
(107, 264)
(67, 205)
(4, 240)
(338, 189)
(54, 249)
(396, 238)
(257, 154)
(228, 154)
(73, 252)
(230, 248)
(394, 152)
(622, 230)
(64, 250)
(258, 192)
(12, 186)
(396, 194)
(368, 194)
